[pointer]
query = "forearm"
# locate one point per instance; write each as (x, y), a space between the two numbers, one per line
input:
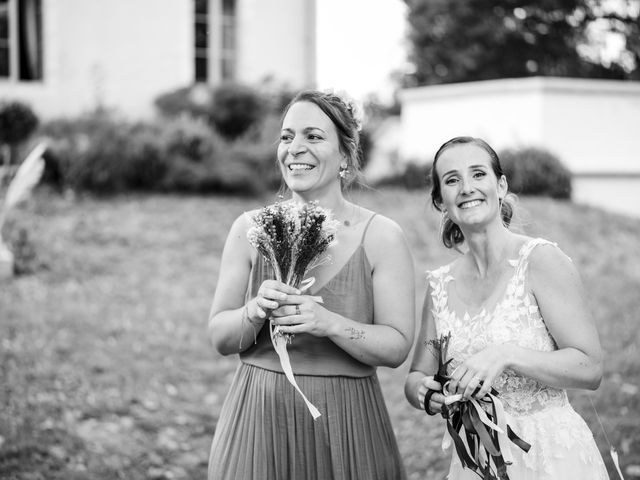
(563, 368)
(376, 345)
(233, 331)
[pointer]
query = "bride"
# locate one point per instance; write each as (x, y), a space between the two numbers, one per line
(518, 320)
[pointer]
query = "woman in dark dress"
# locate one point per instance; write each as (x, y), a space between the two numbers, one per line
(366, 319)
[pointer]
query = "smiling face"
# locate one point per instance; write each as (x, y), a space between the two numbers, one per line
(469, 188)
(309, 153)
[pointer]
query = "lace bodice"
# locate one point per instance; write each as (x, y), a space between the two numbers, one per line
(515, 318)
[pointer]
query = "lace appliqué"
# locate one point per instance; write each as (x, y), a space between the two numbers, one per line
(540, 414)
(516, 319)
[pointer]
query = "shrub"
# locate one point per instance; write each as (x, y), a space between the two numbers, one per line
(17, 122)
(535, 171)
(415, 176)
(193, 101)
(103, 154)
(230, 108)
(100, 153)
(235, 108)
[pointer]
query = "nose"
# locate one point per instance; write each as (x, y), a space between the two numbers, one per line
(296, 146)
(466, 186)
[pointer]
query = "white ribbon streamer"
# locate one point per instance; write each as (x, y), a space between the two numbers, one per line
(280, 345)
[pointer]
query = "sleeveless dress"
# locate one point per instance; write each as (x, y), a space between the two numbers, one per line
(266, 432)
(562, 446)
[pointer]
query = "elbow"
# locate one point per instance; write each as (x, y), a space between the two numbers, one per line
(217, 341)
(394, 362)
(397, 356)
(594, 376)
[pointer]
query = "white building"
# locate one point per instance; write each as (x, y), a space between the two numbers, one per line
(64, 57)
(593, 126)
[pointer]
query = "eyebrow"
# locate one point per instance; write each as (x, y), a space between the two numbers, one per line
(305, 130)
(471, 167)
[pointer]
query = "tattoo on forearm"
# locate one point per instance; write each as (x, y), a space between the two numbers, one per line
(354, 333)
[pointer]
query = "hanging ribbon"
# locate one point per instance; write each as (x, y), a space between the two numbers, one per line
(480, 434)
(279, 342)
(477, 428)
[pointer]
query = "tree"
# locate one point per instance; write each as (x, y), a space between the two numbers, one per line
(464, 40)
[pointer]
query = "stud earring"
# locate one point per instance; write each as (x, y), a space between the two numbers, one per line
(344, 171)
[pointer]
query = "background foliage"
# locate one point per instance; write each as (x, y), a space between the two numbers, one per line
(529, 171)
(467, 40)
(220, 140)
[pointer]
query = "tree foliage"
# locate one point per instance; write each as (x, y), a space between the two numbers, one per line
(464, 40)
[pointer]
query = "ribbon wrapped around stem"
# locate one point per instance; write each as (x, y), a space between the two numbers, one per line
(280, 342)
(477, 428)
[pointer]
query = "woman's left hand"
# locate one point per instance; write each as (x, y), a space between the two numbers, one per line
(480, 370)
(302, 314)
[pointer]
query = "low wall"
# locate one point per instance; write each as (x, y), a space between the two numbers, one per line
(593, 126)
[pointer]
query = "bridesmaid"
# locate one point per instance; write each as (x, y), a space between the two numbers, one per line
(366, 319)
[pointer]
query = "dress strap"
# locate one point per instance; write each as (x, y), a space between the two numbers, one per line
(525, 252)
(366, 227)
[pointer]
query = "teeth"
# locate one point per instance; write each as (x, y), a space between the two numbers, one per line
(300, 166)
(471, 204)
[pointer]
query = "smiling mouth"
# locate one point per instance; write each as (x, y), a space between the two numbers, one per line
(470, 204)
(296, 167)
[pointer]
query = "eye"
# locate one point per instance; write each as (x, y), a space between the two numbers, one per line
(450, 180)
(314, 136)
(479, 174)
(286, 137)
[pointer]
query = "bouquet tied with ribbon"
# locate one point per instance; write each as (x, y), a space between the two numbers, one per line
(477, 427)
(292, 237)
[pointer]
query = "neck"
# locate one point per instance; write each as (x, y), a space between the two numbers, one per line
(332, 199)
(488, 248)
(334, 202)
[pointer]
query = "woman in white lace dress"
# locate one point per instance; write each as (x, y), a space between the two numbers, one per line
(518, 319)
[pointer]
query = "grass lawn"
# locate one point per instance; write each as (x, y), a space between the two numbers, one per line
(105, 367)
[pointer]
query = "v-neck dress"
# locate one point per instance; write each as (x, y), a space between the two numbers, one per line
(265, 431)
(562, 446)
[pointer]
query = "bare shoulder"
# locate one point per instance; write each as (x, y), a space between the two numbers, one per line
(548, 263)
(384, 232)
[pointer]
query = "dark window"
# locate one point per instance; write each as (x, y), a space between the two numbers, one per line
(228, 51)
(21, 39)
(5, 59)
(30, 39)
(201, 40)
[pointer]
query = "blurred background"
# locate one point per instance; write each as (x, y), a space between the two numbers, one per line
(156, 122)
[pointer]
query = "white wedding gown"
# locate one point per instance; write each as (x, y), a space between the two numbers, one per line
(562, 446)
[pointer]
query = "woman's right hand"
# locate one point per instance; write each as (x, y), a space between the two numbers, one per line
(437, 399)
(270, 296)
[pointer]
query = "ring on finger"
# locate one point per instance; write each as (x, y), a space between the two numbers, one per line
(297, 309)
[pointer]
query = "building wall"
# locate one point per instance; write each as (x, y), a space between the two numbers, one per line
(277, 39)
(119, 53)
(122, 53)
(592, 125)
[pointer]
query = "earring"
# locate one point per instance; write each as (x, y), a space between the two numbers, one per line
(344, 171)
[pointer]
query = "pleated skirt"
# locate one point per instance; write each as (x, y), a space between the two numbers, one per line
(265, 431)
